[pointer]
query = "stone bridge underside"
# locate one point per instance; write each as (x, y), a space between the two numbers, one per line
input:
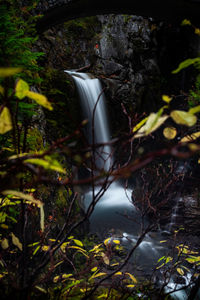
(58, 11)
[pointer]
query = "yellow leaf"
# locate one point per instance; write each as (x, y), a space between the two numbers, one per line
(45, 248)
(106, 241)
(190, 137)
(21, 89)
(5, 72)
(132, 277)
(105, 259)
(194, 110)
(169, 133)
(166, 98)
(117, 274)
(164, 241)
(65, 276)
(40, 99)
(94, 269)
(197, 31)
(153, 123)
(180, 271)
(97, 275)
(5, 121)
(55, 279)
(77, 242)
(193, 147)
(139, 125)
(183, 117)
(4, 244)
(16, 241)
(47, 163)
(20, 195)
(116, 241)
(130, 285)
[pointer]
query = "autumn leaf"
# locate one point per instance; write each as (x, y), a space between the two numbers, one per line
(40, 99)
(169, 133)
(21, 89)
(6, 72)
(5, 121)
(16, 241)
(183, 118)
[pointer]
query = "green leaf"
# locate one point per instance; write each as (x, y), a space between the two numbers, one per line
(186, 63)
(47, 163)
(5, 121)
(16, 241)
(20, 195)
(21, 89)
(6, 72)
(40, 99)
(183, 118)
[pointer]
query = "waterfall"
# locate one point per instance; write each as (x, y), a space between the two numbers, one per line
(92, 101)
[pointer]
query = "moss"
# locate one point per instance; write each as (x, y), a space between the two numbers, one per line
(84, 26)
(34, 140)
(59, 89)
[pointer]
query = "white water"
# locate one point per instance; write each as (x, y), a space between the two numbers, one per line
(91, 95)
(114, 214)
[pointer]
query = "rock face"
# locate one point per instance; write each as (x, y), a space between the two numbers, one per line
(119, 49)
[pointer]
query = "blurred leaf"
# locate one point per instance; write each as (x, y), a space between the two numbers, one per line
(40, 99)
(16, 241)
(1, 90)
(94, 269)
(105, 259)
(183, 118)
(5, 72)
(4, 244)
(116, 241)
(194, 110)
(118, 273)
(106, 241)
(77, 242)
(97, 275)
(48, 163)
(65, 276)
(169, 133)
(132, 277)
(5, 121)
(190, 137)
(21, 89)
(41, 289)
(21, 195)
(45, 248)
(139, 125)
(186, 22)
(186, 63)
(154, 122)
(180, 271)
(166, 98)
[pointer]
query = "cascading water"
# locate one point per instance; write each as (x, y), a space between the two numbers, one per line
(94, 110)
(114, 213)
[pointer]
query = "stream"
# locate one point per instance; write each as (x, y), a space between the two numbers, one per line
(115, 215)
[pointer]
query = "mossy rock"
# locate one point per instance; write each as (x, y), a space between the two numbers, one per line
(59, 88)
